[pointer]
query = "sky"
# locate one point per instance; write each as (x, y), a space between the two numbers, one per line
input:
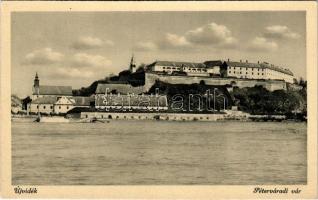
(76, 48)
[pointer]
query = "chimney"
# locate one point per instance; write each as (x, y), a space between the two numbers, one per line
(257, 62)
(228, 60)
(246, 61)
(240, 60)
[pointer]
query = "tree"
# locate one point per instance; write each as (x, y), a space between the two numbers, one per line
(141, 67)
(302, 82)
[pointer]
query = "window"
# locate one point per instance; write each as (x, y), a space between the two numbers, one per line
(44, 107)
(252, 73)
(262, 73)
(246, 73)
(229, 72)
(59, 107)
(37, 106)
(257, 73)
(240, 72)
(66, 107)
(51, 107)
(234, 72)
(246, 68)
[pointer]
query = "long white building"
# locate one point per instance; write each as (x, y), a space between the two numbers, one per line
(191, 69)
(246, 70)
(241, 70)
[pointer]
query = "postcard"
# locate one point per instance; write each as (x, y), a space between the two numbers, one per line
(159, 100)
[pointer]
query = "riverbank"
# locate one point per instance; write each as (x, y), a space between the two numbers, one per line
(106, 116)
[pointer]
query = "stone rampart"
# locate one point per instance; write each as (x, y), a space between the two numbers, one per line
(271, 85)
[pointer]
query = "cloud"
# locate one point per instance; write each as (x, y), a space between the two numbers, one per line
(44, 56)
(83, 60)
(208, 35)
(146, 46)
(74, 73)
(173, 41)
(262, 44)
(83, 43)
(83, 65)
(211, 34)
(280, 32)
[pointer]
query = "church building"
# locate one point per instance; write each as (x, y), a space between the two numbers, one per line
(49, 90)
(54, 99)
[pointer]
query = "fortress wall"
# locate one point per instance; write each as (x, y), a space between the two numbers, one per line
(270, 85)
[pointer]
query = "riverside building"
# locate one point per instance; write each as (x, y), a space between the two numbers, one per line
(47, 99)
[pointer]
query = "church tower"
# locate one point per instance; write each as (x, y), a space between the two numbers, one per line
(132, 64)
(36, 80)
(36, 87)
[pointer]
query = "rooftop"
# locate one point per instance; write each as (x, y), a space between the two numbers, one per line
(54, 90)
(45, 100)
(179, 64)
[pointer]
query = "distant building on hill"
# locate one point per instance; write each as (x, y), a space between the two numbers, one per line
(264, 70)
(188, 68)
(219, 68)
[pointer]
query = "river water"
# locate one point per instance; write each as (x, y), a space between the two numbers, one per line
(159, 153)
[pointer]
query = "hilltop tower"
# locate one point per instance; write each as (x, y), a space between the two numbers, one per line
(132, 64)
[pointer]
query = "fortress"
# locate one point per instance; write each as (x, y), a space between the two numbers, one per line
(121, 96)
(223, 69)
